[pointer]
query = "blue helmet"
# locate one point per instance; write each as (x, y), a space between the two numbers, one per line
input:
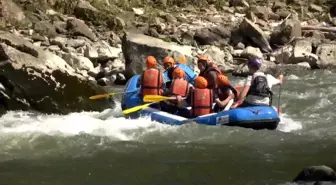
(255, 62)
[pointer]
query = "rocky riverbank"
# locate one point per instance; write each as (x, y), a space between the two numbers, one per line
(57, 53)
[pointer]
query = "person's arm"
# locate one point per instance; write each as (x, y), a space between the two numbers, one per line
(274, 81)
(244, 92)
(212, 79)
(246, 88)
(224, 102)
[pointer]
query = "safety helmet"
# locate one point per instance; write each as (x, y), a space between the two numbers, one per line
(178, 73)
(151, 62)
(169, 60)
(254, 63)
(204, 59)
(201, 82)
(222, 80)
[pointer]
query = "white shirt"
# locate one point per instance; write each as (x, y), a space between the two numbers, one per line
(258, 100)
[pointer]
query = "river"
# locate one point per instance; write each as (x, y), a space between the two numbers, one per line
(103, 148)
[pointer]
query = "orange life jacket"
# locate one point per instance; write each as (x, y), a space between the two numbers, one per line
(201, 102)
(151, 82)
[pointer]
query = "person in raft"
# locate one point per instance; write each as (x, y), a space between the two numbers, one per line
(224, 95)
(257, 88)
(151, 80)
(201, 98)
(169, 65)
(208, 70)
(179, 88)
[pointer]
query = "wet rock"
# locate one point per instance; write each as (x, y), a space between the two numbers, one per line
(120, 79)
(253, 33)
(212, 36)
(285, 32)
(327, 55)
(136, 48)
(31, 73)
(78, 28)
(316, 173)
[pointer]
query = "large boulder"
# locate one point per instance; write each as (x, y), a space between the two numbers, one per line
(39, 80)
(78, 27)
(217, 36)
(285, 32)
(136, 47)
(254, 34)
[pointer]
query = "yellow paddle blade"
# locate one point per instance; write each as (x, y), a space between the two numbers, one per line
(134, 109)
(100, 96)
(155, 98)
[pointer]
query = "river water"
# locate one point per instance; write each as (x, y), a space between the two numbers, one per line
(103, 148)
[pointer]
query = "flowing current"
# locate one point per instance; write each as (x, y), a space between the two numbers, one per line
(104, 148)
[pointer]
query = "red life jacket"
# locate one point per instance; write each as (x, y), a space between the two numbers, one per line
(151, 82)
(179, 87)
(211, 67)
(201, 102)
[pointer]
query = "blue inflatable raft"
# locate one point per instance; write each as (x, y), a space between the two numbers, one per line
(255, 117)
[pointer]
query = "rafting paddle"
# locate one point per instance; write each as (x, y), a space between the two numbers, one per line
(148, 98)
(158, 98)
(99, 96)
(136, 108)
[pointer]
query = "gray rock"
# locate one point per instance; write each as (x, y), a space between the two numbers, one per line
(327, 55)
(84, 10)
(42, 81)
(285, 32)
(79, 28)
(45, 28)
(316, 173)
(10, 11)
(136, 48)
(254, 33)
(251, 52)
